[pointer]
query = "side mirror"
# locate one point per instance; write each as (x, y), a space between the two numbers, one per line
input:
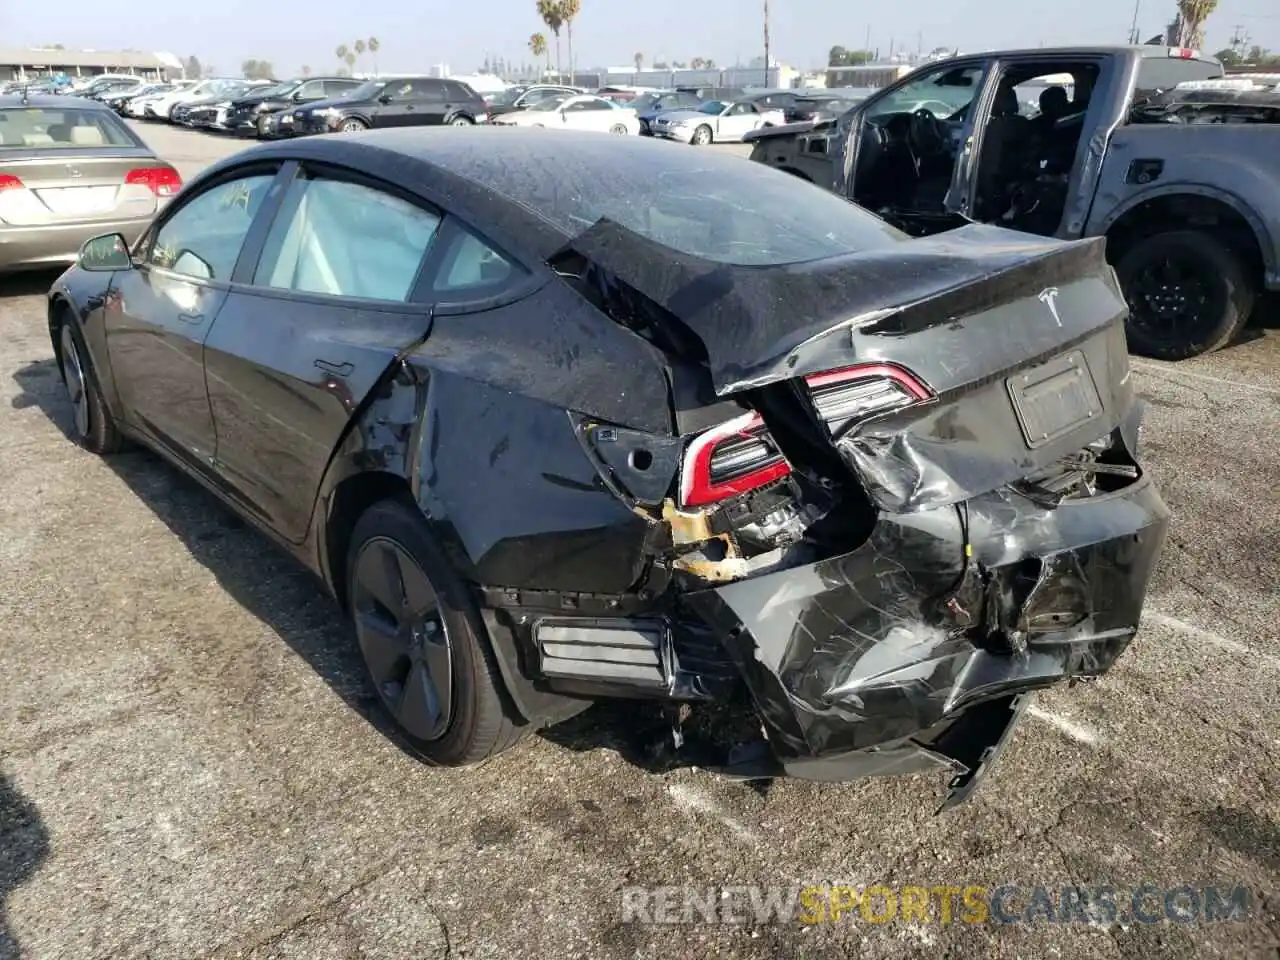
(384, 98)
(297, 97)
(104, 254)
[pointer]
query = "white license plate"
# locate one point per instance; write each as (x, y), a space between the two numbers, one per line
(76, 201)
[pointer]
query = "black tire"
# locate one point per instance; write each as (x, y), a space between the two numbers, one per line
(475, 721)
(701, 136)
(353, 125)
(461, 121)
(92, 425)
(1188, 293)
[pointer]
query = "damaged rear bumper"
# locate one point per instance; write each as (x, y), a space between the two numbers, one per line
(911, 652)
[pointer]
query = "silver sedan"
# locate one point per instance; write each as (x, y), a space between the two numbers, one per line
(70, 169)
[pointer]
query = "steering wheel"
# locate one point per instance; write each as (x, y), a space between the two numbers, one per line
(926, 133)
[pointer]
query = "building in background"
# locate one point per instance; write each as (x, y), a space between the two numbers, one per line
(24, 63)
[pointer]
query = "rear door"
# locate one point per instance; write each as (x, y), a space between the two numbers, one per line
(429, 103)
(157, 325)
(332, 299)
(71, 166)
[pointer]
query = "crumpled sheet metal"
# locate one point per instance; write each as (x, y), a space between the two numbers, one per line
(887, 641)
(957, 289)
(945, 453)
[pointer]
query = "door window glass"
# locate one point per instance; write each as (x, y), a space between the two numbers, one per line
(943, 93)
(346, 240)
(427, 90)
(203, 238)
(311, 90)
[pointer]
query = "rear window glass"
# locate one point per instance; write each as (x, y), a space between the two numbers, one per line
(1165, 73)
(25, 127)
(718, 208)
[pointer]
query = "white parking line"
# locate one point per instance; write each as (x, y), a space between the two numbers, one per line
(1191, 630)
(1221, 381)
(1076, 731)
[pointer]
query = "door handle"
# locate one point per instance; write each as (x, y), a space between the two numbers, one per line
(343, 369)
(191, 317)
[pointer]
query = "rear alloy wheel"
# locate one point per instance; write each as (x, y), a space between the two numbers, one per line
(92, 425)
(619, 129)
(1188, 293)
(353, 125)
(461, 122)
(423, 642)
(701, 136)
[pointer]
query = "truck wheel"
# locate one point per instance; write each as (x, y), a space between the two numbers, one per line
(1188, 294)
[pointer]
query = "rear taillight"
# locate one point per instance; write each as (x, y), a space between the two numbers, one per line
(162, 181)
(9, 182)
(740, 456)
(733, 458)
(842, 397)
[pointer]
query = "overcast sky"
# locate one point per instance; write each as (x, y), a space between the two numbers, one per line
(417, 34)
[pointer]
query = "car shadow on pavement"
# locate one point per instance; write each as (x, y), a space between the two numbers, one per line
(295, 605)
(24, 846)
(283, 595)
(29, 284)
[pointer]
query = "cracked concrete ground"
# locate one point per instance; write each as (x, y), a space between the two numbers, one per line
(190, 765)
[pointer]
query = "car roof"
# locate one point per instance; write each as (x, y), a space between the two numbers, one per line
(52, 101)
(1144, 50)
(496, 176)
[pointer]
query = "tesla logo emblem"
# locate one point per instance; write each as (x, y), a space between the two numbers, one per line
(73, 171)
(1049, 297)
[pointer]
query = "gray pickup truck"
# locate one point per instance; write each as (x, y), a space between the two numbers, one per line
(1184, 182)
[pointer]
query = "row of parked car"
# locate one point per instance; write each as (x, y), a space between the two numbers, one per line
(308, 105)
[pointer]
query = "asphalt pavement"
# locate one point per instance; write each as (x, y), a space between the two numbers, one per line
(190, 765)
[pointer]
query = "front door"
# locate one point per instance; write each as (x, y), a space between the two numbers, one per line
(907, 151)
(286, 367)
(167, 305)
(736, 121)
(395, 106)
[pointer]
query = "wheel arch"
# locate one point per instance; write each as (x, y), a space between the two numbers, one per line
(1189, 207)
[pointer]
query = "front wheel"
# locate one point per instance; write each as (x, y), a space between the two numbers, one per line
(619, 129)
(1188, 293)
(92, 425)
(701, 136)
(424, 644)
(353, 125)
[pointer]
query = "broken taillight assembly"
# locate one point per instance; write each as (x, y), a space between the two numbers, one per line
(739, 456)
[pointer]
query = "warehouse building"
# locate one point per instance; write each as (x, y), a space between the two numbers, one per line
(29, 63)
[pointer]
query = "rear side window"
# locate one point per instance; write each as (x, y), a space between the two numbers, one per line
(473, 267)
(61, 128)
(345, 239)
(427, 90)
(460, 91)
(1165, 73)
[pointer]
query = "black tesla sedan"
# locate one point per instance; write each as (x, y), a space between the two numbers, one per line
(561, 417)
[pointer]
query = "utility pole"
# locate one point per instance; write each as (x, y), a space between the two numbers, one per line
(1134, 36)
(867, 46)
(766, 43)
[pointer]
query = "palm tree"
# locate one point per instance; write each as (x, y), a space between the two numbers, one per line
(638, 58)
(359, 49)
(1193, 14)
(373, 50)
(350, 60)
(569, 10)
(549, 11)
(342, 52)
(306, 71)
(538, 47)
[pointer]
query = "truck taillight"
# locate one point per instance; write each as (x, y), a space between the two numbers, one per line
(162, 181)
(739, 456)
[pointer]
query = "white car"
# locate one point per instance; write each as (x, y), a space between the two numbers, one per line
(574, 113)
(716, 121)
(162, 107)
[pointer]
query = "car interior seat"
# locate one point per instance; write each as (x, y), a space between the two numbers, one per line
(1004, 143)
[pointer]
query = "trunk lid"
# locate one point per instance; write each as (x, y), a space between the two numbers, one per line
(70, 188)
(1017, 341)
